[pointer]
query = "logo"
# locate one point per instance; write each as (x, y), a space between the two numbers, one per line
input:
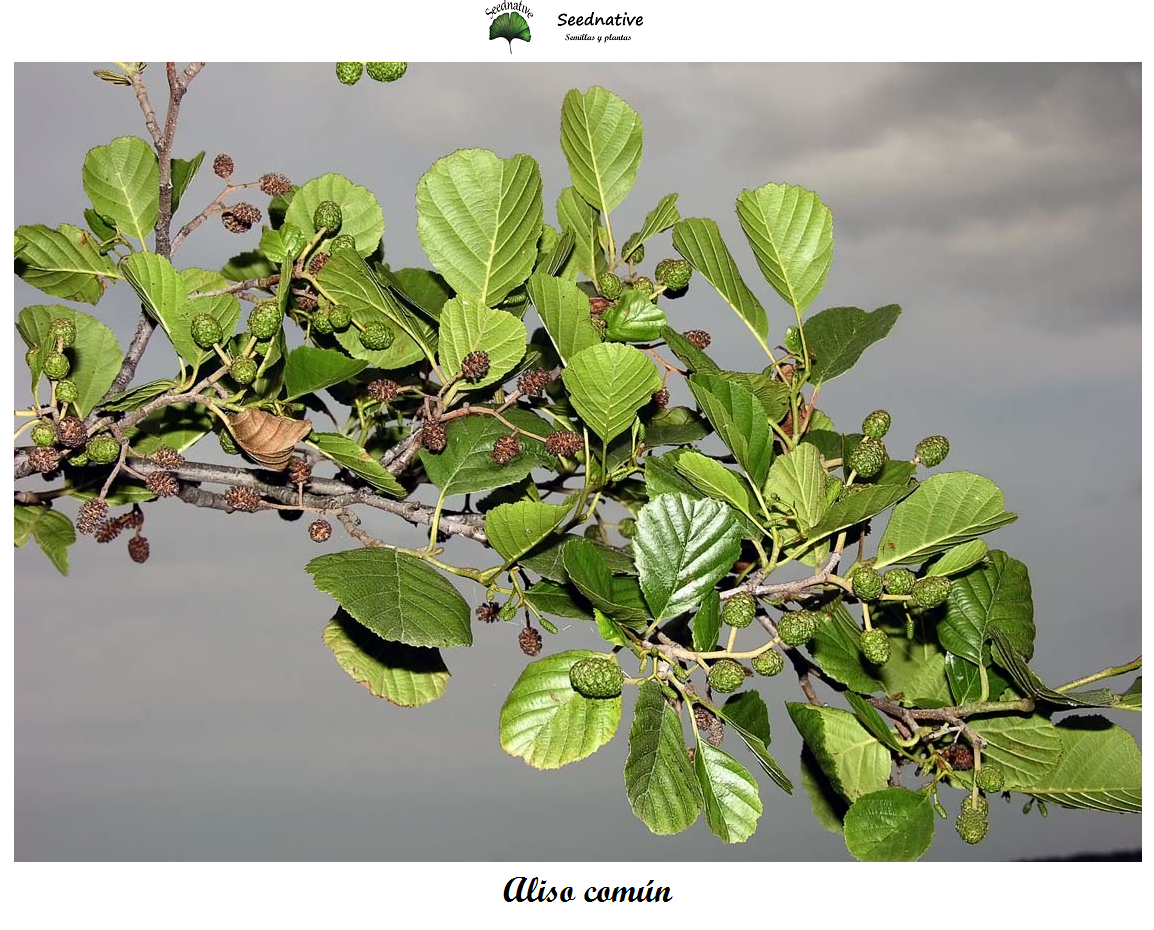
(509, 22)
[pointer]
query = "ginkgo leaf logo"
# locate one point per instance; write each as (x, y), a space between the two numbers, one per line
(510, 26)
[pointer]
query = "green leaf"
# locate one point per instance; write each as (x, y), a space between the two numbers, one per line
(996, 594)
(396, 595)
(946, 509)
(467, 327)
(858, 506)
(829, 808)
(510, 26)
(183, 171)
(576, 216)
(675, 426)
(164, 294)
(95, 355)
(63, 262)
(408, 676)
(548, 724)
(657, 220)
(350, 455)
(1026, 748)
(609, 629)
(729, 793)
(308, 370)
(100, 226)
(960, 559)
(550, 597)
(424, 288)
(691, 357)
(361, 215)
(715, 480)
(608, 384)
(747, 715)
(176, 426)
(514, 529)
(634, 318)
(965, 681)
(791, 233)
(26, 516)
(683, 547)
(855, 763)
(1028, 682)
(774, 395)
(548, 560)
(836, 650)
(601, 139)
(618, 596)
(740, 421)
(1100, 768)
(466, 465)
(122, 179)
(917, 670)
(1132, 697)
(893, 825)
(707, 623)
(799, 483)
(659, 781)
(873, 721)
(478, 218)
(700, 242)
(53, 532)
(837, 337)
(564, 310)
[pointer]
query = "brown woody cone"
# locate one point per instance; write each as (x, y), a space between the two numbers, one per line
(960, 756)
(275, 184)
(246, 499)
(699, 337)
(433, 436)
(90, 515)
(108, 530)
(319, 261)
(489, 612)
(222, 166)
(530, 641)
(44, 458)
(564, 442)
(71, 432)
(506, 448)
(168, 458)
(320, 530)
(534, 382)
(475, 365)
(162, 483)
(661, 398)
(384, 390)
(138, 549)
(299, 470)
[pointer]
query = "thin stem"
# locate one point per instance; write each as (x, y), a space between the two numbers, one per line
(1132, 666)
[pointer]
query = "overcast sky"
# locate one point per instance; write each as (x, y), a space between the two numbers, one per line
(186, 709)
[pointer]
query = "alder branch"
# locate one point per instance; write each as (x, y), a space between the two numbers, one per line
(271, 280)
(787, 589)
(216, 206)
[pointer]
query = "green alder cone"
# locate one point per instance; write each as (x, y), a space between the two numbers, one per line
(377, 336)
(340, 317)
(243, 371)
(739, 610)
(645, 286)
(56, 366)
(206, 331)
(349, 72)
(725, 676)
(627, 528)
(875, 646)
(991, 777)
(868, 457)
(44, 433)
(974, 819)
(227, 444)
(899, 581)
(610, 285)
(876, 425)
(638, 255)
(932, 450)
(103, 449)
(328, 216)
(264, 320)
(343, 241)
(931, 591)
(63, 331)
(596, 677)
(673, 273)
(386, 71)
(322, 322)
(867, 584)
(769, 663)
(798, 628)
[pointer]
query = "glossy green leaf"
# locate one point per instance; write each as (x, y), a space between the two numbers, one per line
(729, 793)
(601, 138)
(828, 807)
(1028, 682)
(564, 310)
(659, 781)
(657, 220)
(748, 717)
(683, 547)
(837, 337)
(548, 559)
(836, 649)
(707, 623)
(551, 597)
(352, 456)
(715, 480)
(54, 533)
(946, 509)
(408, 676)
(700, 241)
(95, 356)
(308, 370)
(1027, 748)
(576, 216)
(122, 179)
(859, 506)
(468, 327)
(855, 763)
(183, 171)
(608, 384)
(397, 596)
(633, 318)
(25, 517)
(163, 293)
(63, 262)
(466, 464)
(892, 825)
(618, 596)
(675, 426)
(224, 308)
(422, 287)
(960, 559)
(690, 356)
(361, 215)
(478, 218)
(798, 482)
(917, 670)
(1100, 768)
(177, 426)
(548, 724)
(514, 529)
(996, 594)
(739, 420)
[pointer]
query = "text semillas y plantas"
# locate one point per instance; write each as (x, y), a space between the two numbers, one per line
(527, 376)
